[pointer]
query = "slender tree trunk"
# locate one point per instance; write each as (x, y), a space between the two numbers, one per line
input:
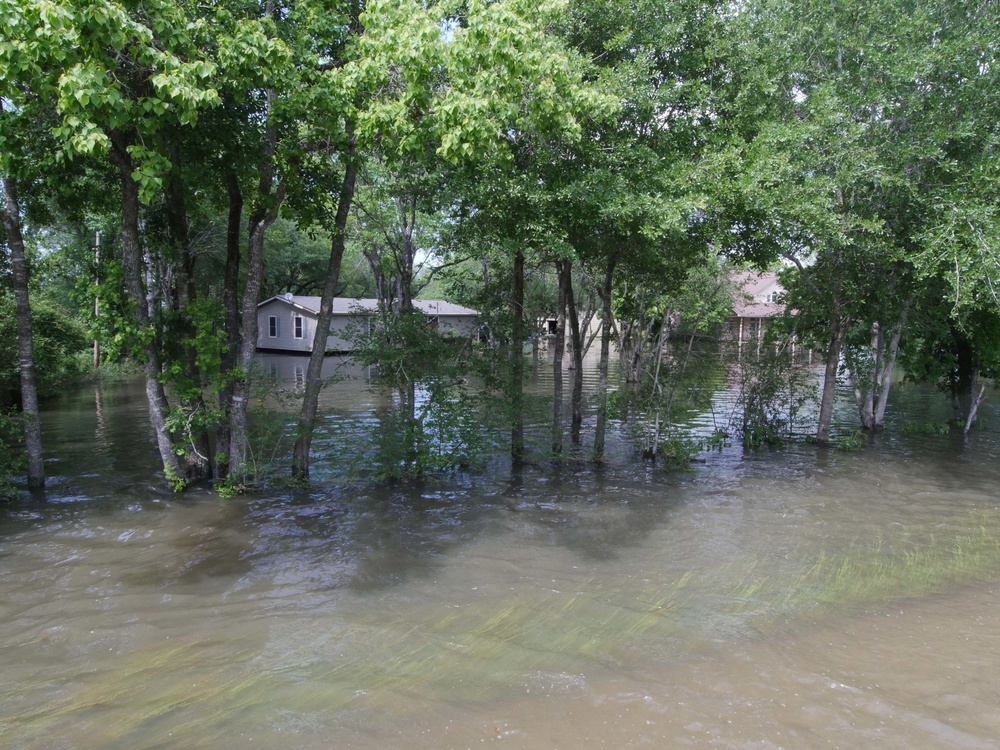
(576, 336)
(231, 311)
(885, 376)
(562, 270)
(132, 265)
(963, 386)
(310, 400)
(833, 350)
(517, 369)
(865, 382)
(197, 462)
(239, 447)
(268, 203)
(974, 409)
(26, 360)
(600, 428)
(654, 449)
(404, 271)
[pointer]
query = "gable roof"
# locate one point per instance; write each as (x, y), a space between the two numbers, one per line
(748, 285)
(348, 306)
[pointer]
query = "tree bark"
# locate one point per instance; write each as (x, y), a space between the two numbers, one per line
(239, 447)
(833, 350)
(268, 204)
(963, 383)
(231, 311)
(974, 409)
(889, 364)
(132, 265)
(576, 336)
(196, 453)
(517, 364)
(310, 400)
(600, 429)
(563, 271)
(26, 360)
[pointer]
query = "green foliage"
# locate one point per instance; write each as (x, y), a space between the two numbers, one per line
(656, 410)
(771, 391)
(855, 440)
(58, 340)
(930, 428)
(430, 423)
(269, 443)
(12, 459)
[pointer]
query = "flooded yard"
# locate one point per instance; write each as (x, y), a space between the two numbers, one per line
(787, 598)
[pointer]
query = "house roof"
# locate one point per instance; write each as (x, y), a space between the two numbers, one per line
(347, 305)
(753, 284)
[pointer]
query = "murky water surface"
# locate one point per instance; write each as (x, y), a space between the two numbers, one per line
(792, 598)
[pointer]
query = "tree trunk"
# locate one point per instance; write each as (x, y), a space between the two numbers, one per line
(310, 400)
(864, 381)
(26, 360)
(889, 364)
(517, 369)
(562, 270)
(196, 453)
(239, 446)
(600, 428)
(132, 265)
(974, 409)
(963, 385)
(833, 349)
(268, 203)
(231, 311)
(576, 336)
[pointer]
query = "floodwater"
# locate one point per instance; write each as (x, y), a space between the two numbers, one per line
(792, 598)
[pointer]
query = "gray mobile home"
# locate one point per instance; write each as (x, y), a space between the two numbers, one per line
(287, 323)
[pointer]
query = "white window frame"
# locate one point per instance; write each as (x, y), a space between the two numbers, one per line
(298, 326)
(273, 327)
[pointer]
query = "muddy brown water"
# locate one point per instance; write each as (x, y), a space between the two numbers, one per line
(791, 598)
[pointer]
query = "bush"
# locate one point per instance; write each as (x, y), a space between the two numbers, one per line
(59, 341)
(12, 460)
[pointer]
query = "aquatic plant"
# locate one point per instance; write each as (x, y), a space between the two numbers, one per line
(168, 693)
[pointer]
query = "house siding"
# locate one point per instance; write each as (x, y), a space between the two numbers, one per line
(350, 317)
(285, 340)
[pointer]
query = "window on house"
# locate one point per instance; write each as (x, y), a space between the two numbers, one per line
(272, 326)
(298, 326)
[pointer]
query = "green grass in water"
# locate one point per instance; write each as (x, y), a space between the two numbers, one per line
(178, 694)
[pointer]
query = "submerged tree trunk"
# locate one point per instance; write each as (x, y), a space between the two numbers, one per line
(517, 368)
(562, 271)
(576, 337)
(833, 349)
(239, 445)
(265, 212)
(132, 265)
(966, 375)
(307, 419)
(974, 409)
(871, 388)
(196, 453)
(26, 360)
(231, 312)
(888, 365)
(600, 428)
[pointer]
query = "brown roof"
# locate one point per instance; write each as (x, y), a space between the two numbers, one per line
(752, 284)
